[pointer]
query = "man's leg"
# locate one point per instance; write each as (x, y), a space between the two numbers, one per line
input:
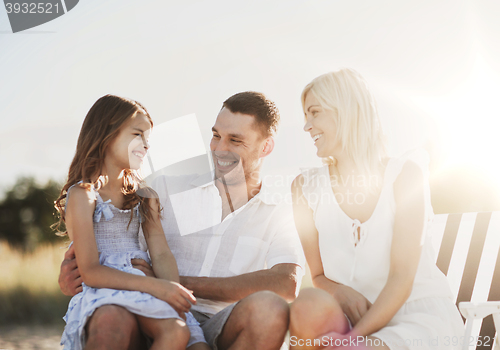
(259, 321)
(113, 327)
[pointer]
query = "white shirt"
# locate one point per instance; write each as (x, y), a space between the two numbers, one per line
(258, 235)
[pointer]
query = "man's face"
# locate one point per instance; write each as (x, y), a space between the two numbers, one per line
(236, 146)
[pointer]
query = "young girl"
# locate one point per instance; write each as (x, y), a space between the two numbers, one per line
(363, 221)
(103, 204)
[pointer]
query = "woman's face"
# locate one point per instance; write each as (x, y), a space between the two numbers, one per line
(320, 124)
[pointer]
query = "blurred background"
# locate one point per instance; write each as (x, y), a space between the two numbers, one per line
(433, 65)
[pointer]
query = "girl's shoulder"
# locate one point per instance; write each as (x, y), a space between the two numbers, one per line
(81, 193)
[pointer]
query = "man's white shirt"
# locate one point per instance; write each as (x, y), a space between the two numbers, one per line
(256, 236)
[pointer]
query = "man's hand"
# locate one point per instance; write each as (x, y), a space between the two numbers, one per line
(143, 266)
(353, 303)
(70, 280)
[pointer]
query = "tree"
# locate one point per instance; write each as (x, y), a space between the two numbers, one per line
(27, 212)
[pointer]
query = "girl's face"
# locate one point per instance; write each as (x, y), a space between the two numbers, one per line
(128, 149)
(320, 124)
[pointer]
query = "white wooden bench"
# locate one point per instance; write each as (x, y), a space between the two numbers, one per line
(468, 246)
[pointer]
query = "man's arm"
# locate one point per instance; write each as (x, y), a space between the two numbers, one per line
(70, 281)
(283, 279)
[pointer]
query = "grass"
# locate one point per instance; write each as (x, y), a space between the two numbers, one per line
(29, 292)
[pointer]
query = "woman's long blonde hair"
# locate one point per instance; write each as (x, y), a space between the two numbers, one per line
(100, 127)
(358, 126)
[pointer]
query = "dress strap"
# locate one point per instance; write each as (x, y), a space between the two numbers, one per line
(138, 213)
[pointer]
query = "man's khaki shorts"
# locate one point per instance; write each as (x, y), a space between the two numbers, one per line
(212, 326)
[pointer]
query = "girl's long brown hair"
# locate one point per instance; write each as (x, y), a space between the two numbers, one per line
(100, 127)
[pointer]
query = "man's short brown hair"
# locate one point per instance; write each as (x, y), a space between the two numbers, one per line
(257, 105)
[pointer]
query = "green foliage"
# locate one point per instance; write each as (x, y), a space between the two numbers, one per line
(27, 212)
(21, 306)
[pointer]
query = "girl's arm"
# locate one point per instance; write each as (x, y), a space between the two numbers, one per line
(405, 250)
(79, 223)
(353, 304)
(162, 259)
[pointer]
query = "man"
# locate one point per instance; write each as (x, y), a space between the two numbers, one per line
(236, 250)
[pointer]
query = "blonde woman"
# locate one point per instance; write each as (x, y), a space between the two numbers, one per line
(363, 221)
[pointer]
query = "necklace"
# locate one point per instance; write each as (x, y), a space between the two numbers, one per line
(227, 194)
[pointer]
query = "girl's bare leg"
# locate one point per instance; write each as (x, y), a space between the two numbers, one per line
(170, 333)
(113, 327)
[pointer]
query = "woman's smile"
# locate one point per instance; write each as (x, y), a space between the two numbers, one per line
(316, 137)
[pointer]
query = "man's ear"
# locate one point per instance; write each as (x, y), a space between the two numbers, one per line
(268, 147)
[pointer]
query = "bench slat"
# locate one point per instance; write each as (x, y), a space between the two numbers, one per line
(448, 242)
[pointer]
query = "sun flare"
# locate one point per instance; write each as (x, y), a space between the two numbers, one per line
(466, 118)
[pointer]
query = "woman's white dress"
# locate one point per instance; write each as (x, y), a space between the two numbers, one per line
(117, 243)
(429, 319)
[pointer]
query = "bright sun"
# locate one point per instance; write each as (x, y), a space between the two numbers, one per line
(468, 118)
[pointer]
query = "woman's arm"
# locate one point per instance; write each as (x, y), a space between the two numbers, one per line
(79, 213)
(353, 303)
(405, 250)
(162, 259)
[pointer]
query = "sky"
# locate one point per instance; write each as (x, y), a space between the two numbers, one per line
(433, 66)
